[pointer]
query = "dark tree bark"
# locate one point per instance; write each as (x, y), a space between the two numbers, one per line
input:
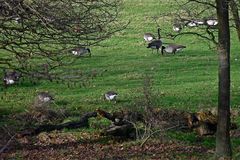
(223, 144)
(234, 10)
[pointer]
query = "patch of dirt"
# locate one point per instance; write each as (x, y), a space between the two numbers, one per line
(64, 146)
(91, 146)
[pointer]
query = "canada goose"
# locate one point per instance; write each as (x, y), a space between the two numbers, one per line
(110, 96)
(177, 27)
(81, 51)
(17, 19)
(156, 44)
(211, 22)
(148, 37)
(199, 22)
(172, 48)
(45, 97)
(191, 24)
(11, 78)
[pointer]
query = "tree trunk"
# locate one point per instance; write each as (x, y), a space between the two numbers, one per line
(223, 144)
(234, 10)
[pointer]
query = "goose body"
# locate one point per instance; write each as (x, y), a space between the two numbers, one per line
(110, 96)
(9, 81)
(45, 97)
(81, 51)
(156, 44)
(11, 78)
(191, 24)
(199, 22)
(148, 37)
(172, 48)
(177, 27)
(211, 22)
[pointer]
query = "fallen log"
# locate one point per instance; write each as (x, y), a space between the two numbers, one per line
(121, 127)
(83, 122)
(121, 117)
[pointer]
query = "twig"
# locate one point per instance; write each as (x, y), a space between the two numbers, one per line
(7, 144)
(160, 130)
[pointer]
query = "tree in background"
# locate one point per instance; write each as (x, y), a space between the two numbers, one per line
(223, 144)
(234, 5)
(210, 20)
(36, 36)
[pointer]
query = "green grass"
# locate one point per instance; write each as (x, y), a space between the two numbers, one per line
(189, 80)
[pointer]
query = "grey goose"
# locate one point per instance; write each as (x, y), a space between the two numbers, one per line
(156, 44)
(148, 37)
(10, 78)
(177, 27)
(81, 51)
(172, 48)
(110, 96)
(44, 97)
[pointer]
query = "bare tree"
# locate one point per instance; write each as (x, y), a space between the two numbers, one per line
(36, 36)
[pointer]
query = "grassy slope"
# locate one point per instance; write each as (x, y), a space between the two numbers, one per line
(188, 80)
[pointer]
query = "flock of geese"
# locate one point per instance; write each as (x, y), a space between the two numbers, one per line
(209, 22)
(153, 43)
(157, 44)
(12, 77)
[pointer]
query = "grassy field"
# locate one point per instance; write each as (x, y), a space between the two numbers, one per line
(189, 80)
(186, 81)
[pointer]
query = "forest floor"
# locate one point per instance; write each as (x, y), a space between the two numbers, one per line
(58, 145)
